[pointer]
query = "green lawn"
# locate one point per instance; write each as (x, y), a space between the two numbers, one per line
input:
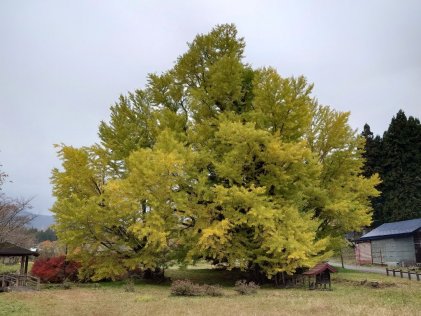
(9, 268)
(351, 295)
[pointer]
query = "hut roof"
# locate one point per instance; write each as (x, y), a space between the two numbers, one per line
(319, 268)
(8, 249)
(395, 229)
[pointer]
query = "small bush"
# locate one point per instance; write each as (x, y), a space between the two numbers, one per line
(244, 288)
(213, 290)
(55, 270)
(186, 288)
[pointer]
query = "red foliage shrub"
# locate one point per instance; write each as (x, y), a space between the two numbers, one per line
(55, 269)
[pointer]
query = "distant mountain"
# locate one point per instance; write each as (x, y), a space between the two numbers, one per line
(41, 222)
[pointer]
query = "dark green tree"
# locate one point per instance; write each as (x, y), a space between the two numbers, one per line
(401, 169)
(397, 159)
(373, 154)
(43, 235)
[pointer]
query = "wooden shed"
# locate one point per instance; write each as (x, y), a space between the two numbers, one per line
(10, 250)
(11, 281)
(391, 243)
(319, 276)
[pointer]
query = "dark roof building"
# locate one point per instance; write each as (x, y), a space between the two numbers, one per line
(320, 274)
(397, 242)
(395, 229)
(320, 268)
(10, 250)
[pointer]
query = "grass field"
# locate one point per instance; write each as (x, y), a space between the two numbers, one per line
(6, 268)
(350, 296)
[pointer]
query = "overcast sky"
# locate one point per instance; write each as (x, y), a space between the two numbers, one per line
(64, 63)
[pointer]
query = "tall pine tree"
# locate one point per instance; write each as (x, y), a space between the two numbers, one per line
(401, 169)
(373, 155)
(397, 159)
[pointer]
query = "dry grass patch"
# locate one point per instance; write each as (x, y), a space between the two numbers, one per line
(347, 298)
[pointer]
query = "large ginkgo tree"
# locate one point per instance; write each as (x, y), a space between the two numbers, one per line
(213, 160)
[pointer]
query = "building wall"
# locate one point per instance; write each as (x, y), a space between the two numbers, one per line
(417, 243)
(393, 250)
(363, 253)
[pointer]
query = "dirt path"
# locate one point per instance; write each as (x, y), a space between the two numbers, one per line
(379, 270)
(369, 269)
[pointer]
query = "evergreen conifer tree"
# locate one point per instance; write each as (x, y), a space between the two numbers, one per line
(401, 169)
(397, 159)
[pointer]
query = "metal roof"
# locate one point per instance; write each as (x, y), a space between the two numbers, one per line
(319, 268)
(394, 229)
(8, 249)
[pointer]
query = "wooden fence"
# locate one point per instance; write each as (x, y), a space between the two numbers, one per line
(19, 280)
(401, 272)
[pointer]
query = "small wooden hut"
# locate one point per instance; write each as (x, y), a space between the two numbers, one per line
(319, 276)
(392, 244)
(10, 250)
(15, 281)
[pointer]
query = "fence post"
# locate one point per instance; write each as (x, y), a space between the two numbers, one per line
(394, 272)
(409, 275)
(418, 276)
(387, 271)
(401, 273)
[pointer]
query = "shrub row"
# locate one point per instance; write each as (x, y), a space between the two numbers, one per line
(244, 288)
(55, 269)
(188, 288)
